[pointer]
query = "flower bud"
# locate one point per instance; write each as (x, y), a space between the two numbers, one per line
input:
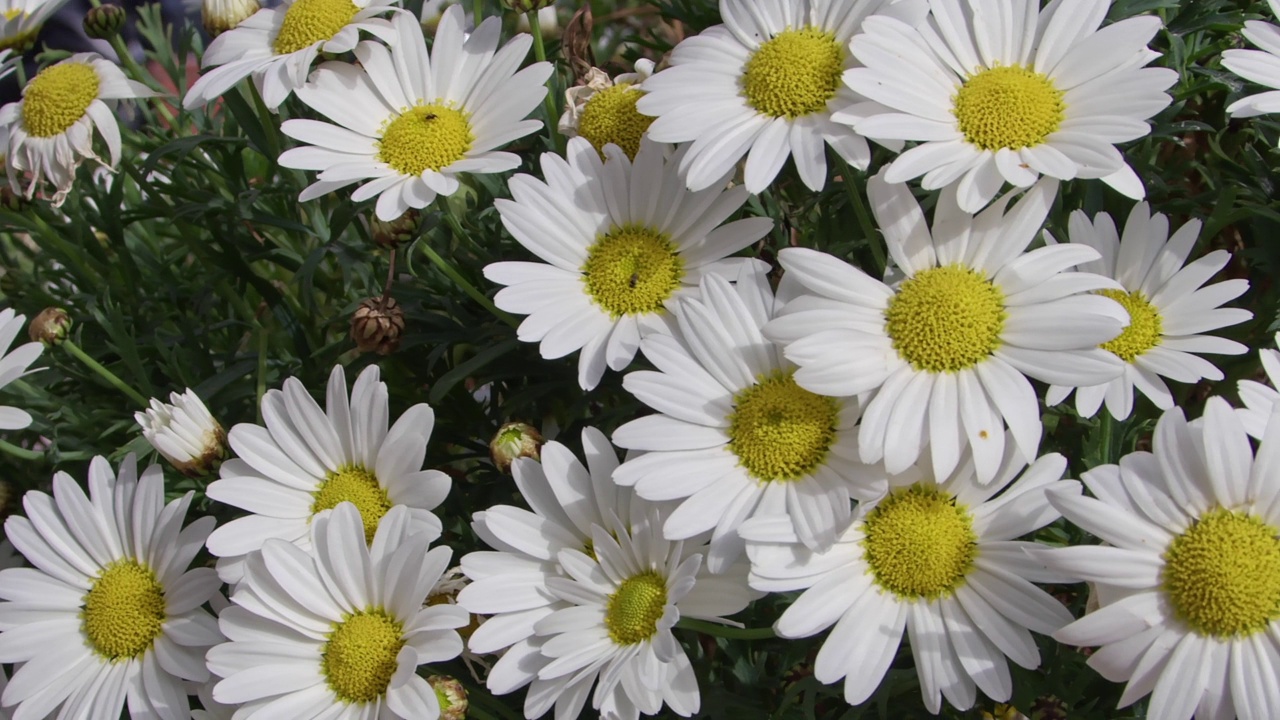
(184, 433)
(392, 234)
(377, 325)
(524, 6)
(452, 697)
(103, 22)
(515, 440)
(50, 326)
(220, 16)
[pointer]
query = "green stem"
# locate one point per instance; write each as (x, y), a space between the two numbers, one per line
(18, 452)
(261, 390)
(1106, 426)
(540, 52)
(106, 374)
(726, 631)
(864, 218)
(477, 12)
(142, 76)
(456, 277)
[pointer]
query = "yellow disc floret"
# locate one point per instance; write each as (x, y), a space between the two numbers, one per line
(632, 270)
(1145, 326)
(124, 610)
(358, 486)
(632, 613)
(359, 657)
(794, 74)
(919, 543)
(1008, 106)
(610, 116)
(1222, 576)
(779, 430)
(945, 319)
(59, 96)
(307, 22)
(425, 137)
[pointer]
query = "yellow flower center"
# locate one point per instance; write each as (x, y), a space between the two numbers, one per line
(1008, 107)
(359, 656)
(794, 74)
(632, 613)
(59, 96)
(12, 13)
(610, 116)
(779, 430)
(358, 486)
(425, 137)
(920, 543)
(1222, 575)
(945, 319)
(124, 610)
(308, 22)
(632, 270)
(1145, 326)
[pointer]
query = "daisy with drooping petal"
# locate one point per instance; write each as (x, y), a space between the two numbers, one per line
(409, 122)
(1259, 66)
(1000, 91)
(338, 633)
(13, 365)
(736, 437)
(947, 347)
(620, 240)
(21, 20)
(307, 460)
(1259, 400)
(764, 85)
(277, 46)
(1167, 305)
(937, 558)
(1189, 581)
(603, 109)
(51, 127)
(110, 610)
(584, 526)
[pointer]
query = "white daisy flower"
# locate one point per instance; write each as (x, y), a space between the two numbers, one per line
(1000, 91)
(14, 364)
(764, 85)
(110, 611)
(948, 345)
(277, 46)
(1259, 400)
(339, 633)
(567, 500)
(307, 460)
(1258, 66)
(621, 240)
(1189, 581)
(937, 558)
(21, 20)
(409, 122)
(603, 109)
(184, 432)
(628, 587)
(1167, 305)
(736, 437)
(51, 127)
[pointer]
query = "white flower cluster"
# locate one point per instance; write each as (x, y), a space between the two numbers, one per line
(871, 442)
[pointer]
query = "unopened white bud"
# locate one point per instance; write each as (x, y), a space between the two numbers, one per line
(220, 16)
(184, 433)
